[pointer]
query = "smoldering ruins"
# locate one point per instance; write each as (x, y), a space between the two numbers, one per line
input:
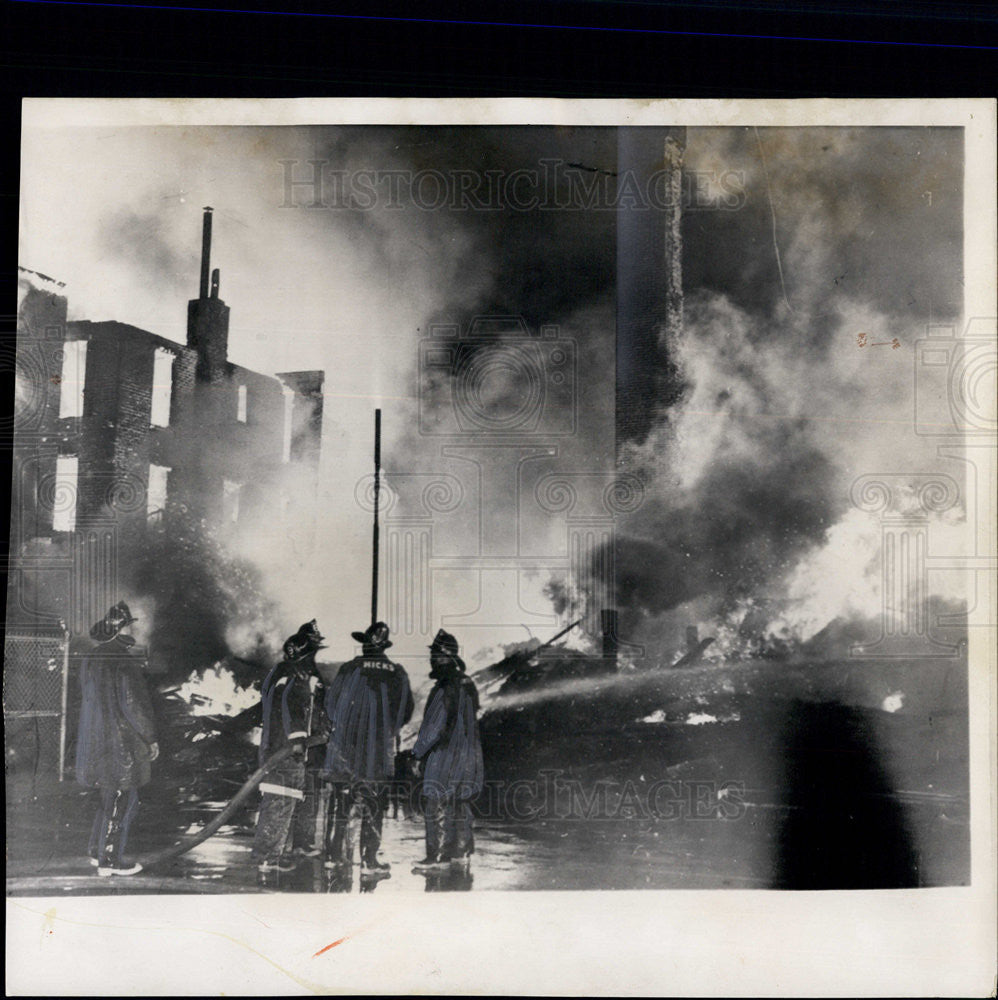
(660, 394)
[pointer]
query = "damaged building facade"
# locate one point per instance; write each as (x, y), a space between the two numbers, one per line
(123, 442)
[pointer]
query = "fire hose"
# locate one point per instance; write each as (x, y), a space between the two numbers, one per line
(283, 754)
(183, 846)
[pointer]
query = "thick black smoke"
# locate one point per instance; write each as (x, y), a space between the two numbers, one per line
(749, 427)
(736, 535)
(794, 240)
(207, 604)
(537, 251)
(840, 231)
(863, 215)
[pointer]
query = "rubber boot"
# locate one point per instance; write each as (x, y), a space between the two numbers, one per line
(370, 833)
(111, 861)
(435, 815)
(337, 821)
(464, 838)
(93, 847)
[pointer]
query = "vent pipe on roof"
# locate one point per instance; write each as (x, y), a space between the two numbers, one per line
(205, 251)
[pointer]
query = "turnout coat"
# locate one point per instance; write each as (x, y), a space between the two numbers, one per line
(449, 741)
(368, 702)
(117, 726)
(287, 707)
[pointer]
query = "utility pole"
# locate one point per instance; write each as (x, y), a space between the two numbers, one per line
(377, 492)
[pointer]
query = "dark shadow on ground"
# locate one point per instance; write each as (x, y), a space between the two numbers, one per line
(843, 827)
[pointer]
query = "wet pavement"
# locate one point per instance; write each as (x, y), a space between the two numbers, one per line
(548, 855)
(691, 842)
(741, 790)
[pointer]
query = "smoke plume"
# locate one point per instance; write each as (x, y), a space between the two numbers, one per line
(754, 421)
(792, 385)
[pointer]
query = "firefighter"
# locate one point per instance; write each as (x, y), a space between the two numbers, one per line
(368, 702)
(448, 753)
(117, 738)
(287, 699)
(307, 811)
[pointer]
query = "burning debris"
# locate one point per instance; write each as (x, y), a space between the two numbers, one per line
(519, 656)
(215, 692)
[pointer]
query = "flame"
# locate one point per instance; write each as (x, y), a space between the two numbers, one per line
(215, 692)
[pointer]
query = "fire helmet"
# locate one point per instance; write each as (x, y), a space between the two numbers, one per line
(375, 635)
(309, 633)
(112, 623)
(444, 642)
(296, 648)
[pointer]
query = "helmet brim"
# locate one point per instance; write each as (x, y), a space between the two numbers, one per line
(364, 640)
(103, 632)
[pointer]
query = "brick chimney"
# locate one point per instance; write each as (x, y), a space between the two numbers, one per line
(208, 317)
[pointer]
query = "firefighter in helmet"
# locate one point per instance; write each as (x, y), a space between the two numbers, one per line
(287, 695)
(368, 702)
(448, 752)
(117, 737)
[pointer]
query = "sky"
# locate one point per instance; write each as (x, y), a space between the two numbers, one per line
(807, 253)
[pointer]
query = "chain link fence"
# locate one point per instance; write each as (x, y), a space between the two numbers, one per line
(35, 689)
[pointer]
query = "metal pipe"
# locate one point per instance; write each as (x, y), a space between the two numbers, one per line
(377, 491)
(205, 251)
(65, 699)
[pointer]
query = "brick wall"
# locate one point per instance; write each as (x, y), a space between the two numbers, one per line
(41, 330)
(114, 442)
